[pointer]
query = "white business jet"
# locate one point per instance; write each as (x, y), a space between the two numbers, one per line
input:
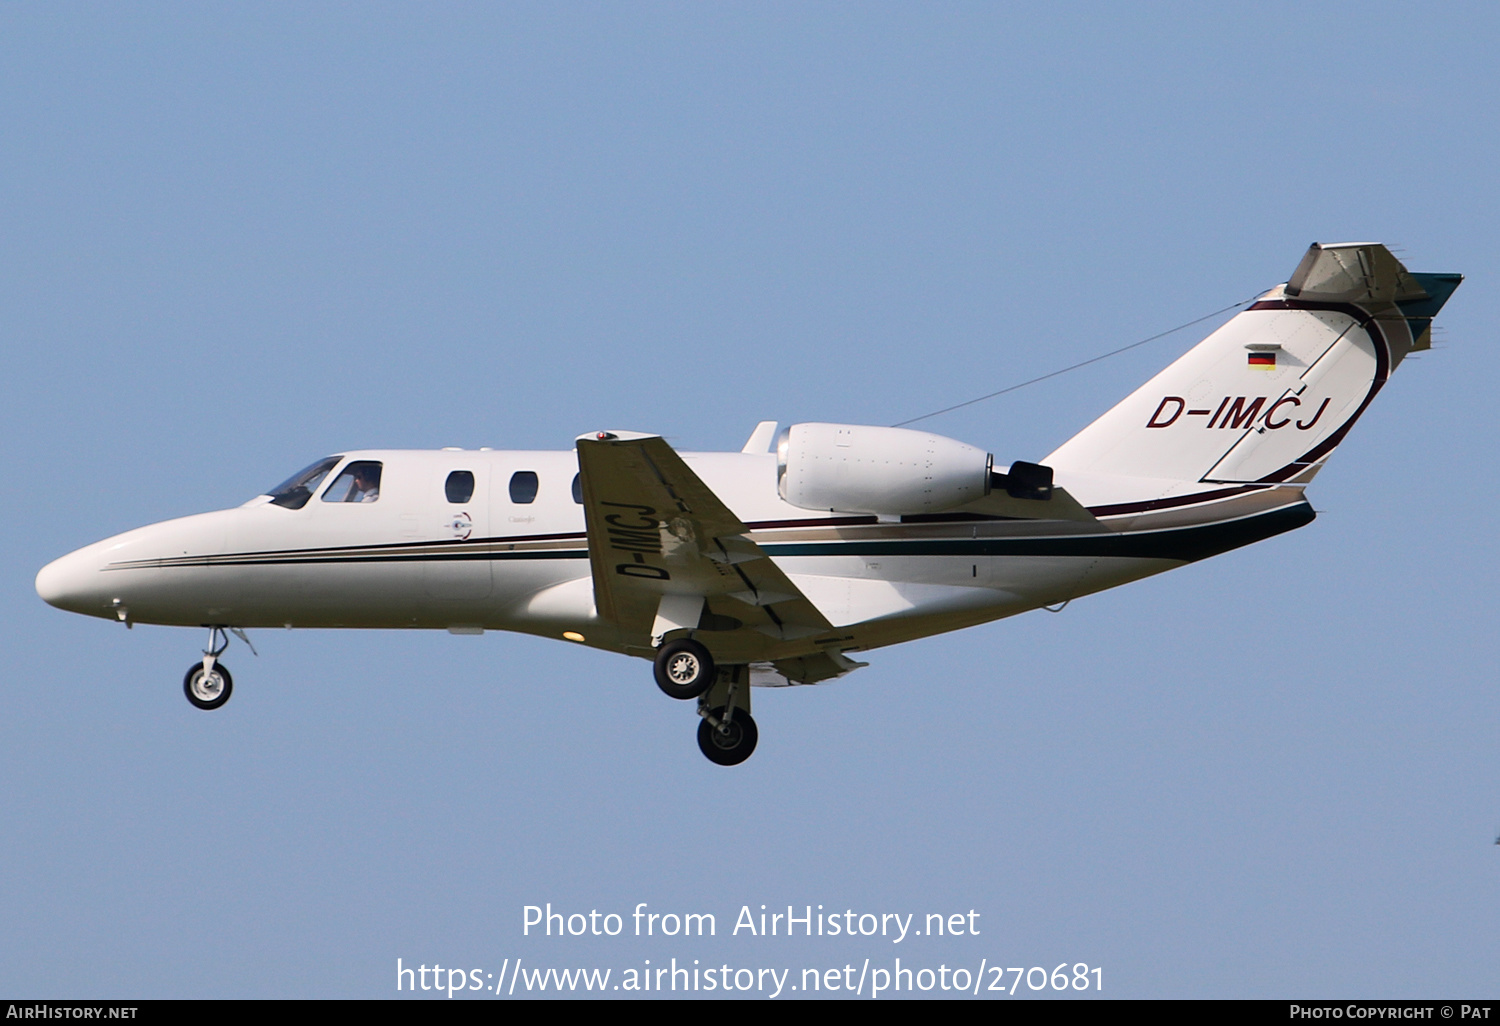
(770, 566)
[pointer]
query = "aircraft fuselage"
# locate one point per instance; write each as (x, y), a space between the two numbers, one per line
(516, 559)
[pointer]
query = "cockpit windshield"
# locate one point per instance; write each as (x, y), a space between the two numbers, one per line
(294, 492)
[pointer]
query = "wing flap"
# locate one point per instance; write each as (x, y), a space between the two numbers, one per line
(813, 669)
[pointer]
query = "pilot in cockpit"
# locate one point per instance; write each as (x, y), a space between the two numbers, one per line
(366, 483)
(357, 482)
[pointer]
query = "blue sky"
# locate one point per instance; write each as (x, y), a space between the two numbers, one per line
(237, 238)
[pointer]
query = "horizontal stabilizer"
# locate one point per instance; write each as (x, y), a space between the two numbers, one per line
(1352, 272)
(1059, 505)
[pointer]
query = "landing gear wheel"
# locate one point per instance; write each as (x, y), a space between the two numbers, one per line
(730, 743)
(684, 669)
(211, 691)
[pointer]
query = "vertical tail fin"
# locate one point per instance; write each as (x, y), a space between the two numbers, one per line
(1267, 397)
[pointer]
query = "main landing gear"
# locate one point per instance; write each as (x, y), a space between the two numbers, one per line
(684, 669)
(726, 733)
(727, 736)
(208, 684)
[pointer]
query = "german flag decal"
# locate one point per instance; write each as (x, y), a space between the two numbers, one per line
(1263, 361)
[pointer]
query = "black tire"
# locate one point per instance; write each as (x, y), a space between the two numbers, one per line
(684, 669)
(214, 694)
(731, 746)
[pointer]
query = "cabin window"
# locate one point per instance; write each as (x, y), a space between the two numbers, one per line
(294, 492)
(523, 486)
(578, 489)
(460, 486)
(358, 482)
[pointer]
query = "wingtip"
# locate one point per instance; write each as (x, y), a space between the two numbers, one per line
(615, 436)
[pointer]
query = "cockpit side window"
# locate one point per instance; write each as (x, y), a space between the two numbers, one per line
(358, 482)
(523, 486)
(294, 492)
(460, 486)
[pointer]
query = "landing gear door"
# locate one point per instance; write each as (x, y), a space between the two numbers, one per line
(455, 568)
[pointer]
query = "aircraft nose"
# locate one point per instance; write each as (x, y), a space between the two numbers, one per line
(71, 583)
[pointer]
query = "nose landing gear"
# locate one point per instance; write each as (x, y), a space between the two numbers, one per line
(208, 688)
(208, 684)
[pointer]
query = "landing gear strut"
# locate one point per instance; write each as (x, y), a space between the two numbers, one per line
(208, 684)
(726, 732)
(727, 737)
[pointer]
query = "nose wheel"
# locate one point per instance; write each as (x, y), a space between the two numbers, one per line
(208, 689)
(208, 684)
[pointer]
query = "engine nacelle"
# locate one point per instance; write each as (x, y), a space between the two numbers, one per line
(852, 468)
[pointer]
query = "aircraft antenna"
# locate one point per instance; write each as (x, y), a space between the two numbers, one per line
(1085, 363)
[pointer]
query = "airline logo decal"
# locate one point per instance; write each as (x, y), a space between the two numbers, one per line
(461, 525)
(1241, 412)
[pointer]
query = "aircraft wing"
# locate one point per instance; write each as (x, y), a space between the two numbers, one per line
(666, 553)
